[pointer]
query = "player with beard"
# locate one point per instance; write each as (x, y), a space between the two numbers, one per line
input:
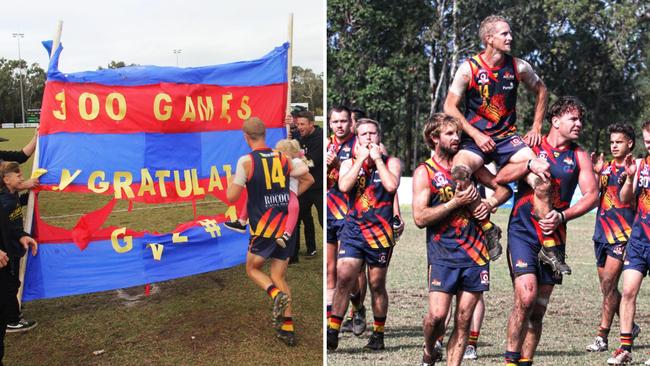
(456, 251)
(339, 149)
(569, 166)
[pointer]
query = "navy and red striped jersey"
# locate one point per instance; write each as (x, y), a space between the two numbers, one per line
(337, 201)
(641, 225)
(565, 170)
(614, 218)
(268, 193)
(457, 240)
(491, 97)
(372, 208)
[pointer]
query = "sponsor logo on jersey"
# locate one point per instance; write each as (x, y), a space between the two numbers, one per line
(607, 171)
(269, 155)
(280, 199)
(508, 87)
(485, 277)
(521, 264)
(568, 161)
(508, 75)
(346, 148)
(569, 165)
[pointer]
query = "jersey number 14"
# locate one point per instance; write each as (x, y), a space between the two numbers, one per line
(276, 175)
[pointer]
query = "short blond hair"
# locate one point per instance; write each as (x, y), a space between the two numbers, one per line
(291, 148)
(254, 128)
(434, 126)
(487, 26)
(367, 121)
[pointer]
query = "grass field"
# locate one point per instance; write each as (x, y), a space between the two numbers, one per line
(218, 318)
(570, 324)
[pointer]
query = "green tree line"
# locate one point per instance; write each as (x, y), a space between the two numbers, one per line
(33, 85)
(307, 87)
(396, 60)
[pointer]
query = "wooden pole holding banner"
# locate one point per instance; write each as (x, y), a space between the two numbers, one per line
(29, 217)
(289, 70)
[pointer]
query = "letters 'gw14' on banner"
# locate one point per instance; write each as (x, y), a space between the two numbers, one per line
(147, 134)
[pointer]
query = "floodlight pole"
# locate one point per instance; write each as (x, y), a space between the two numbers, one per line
(18, 36)
(177, 51)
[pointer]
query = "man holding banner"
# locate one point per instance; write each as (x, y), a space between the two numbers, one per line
(265, 173)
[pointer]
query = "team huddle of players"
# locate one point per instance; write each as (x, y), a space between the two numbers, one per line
(461, 240)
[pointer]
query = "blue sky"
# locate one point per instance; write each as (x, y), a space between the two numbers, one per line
(146, 32)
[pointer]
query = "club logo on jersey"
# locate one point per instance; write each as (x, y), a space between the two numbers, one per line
(440, 179)
(482, 76)
(382, 258)
(485, 277)
(556, 154)
(516, 141)
(618, 249)
(436, 283)
(521, 264)
(508, 75)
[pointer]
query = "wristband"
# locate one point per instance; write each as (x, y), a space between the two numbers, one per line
(562, 217)
(492, 201)
(528, 165)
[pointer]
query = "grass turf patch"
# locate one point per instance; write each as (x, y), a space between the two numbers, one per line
(215, 318)
(571, 321)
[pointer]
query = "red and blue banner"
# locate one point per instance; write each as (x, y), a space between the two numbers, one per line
(147, 134)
